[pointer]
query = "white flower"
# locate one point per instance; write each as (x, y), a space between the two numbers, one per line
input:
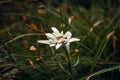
(58, 39)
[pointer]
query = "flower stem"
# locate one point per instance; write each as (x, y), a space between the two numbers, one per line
(68, 55)
(59, 64)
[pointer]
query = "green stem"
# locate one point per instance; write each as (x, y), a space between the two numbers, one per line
(59, 64)
(68, 55)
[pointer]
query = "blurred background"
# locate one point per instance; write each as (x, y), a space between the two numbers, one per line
(95, 22)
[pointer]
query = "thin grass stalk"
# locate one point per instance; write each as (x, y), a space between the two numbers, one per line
(104, 42)
(18, 37)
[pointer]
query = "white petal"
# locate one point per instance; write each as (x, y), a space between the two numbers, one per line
(73, 39)
(68, 35)
(55, 30)
(43, 41)
(56, 35)
(52, 41)
(61, 33)
(52, 45)
(68, 44)
(49, 35)
(58, 45)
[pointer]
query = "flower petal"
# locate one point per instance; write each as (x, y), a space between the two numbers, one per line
(68, 35)
(55, 30)
(52, 45)
(56, 35)
(58, 45)
(73, 39)
(49, 35)
(51, 41)
(61, 33)
(68, 43)
(43, 41)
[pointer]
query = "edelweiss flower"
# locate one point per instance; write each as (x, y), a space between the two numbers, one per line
(58, 39)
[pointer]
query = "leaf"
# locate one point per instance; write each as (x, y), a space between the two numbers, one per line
(109, 35)
(97, 23)
(103, 71)
(77, 62)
